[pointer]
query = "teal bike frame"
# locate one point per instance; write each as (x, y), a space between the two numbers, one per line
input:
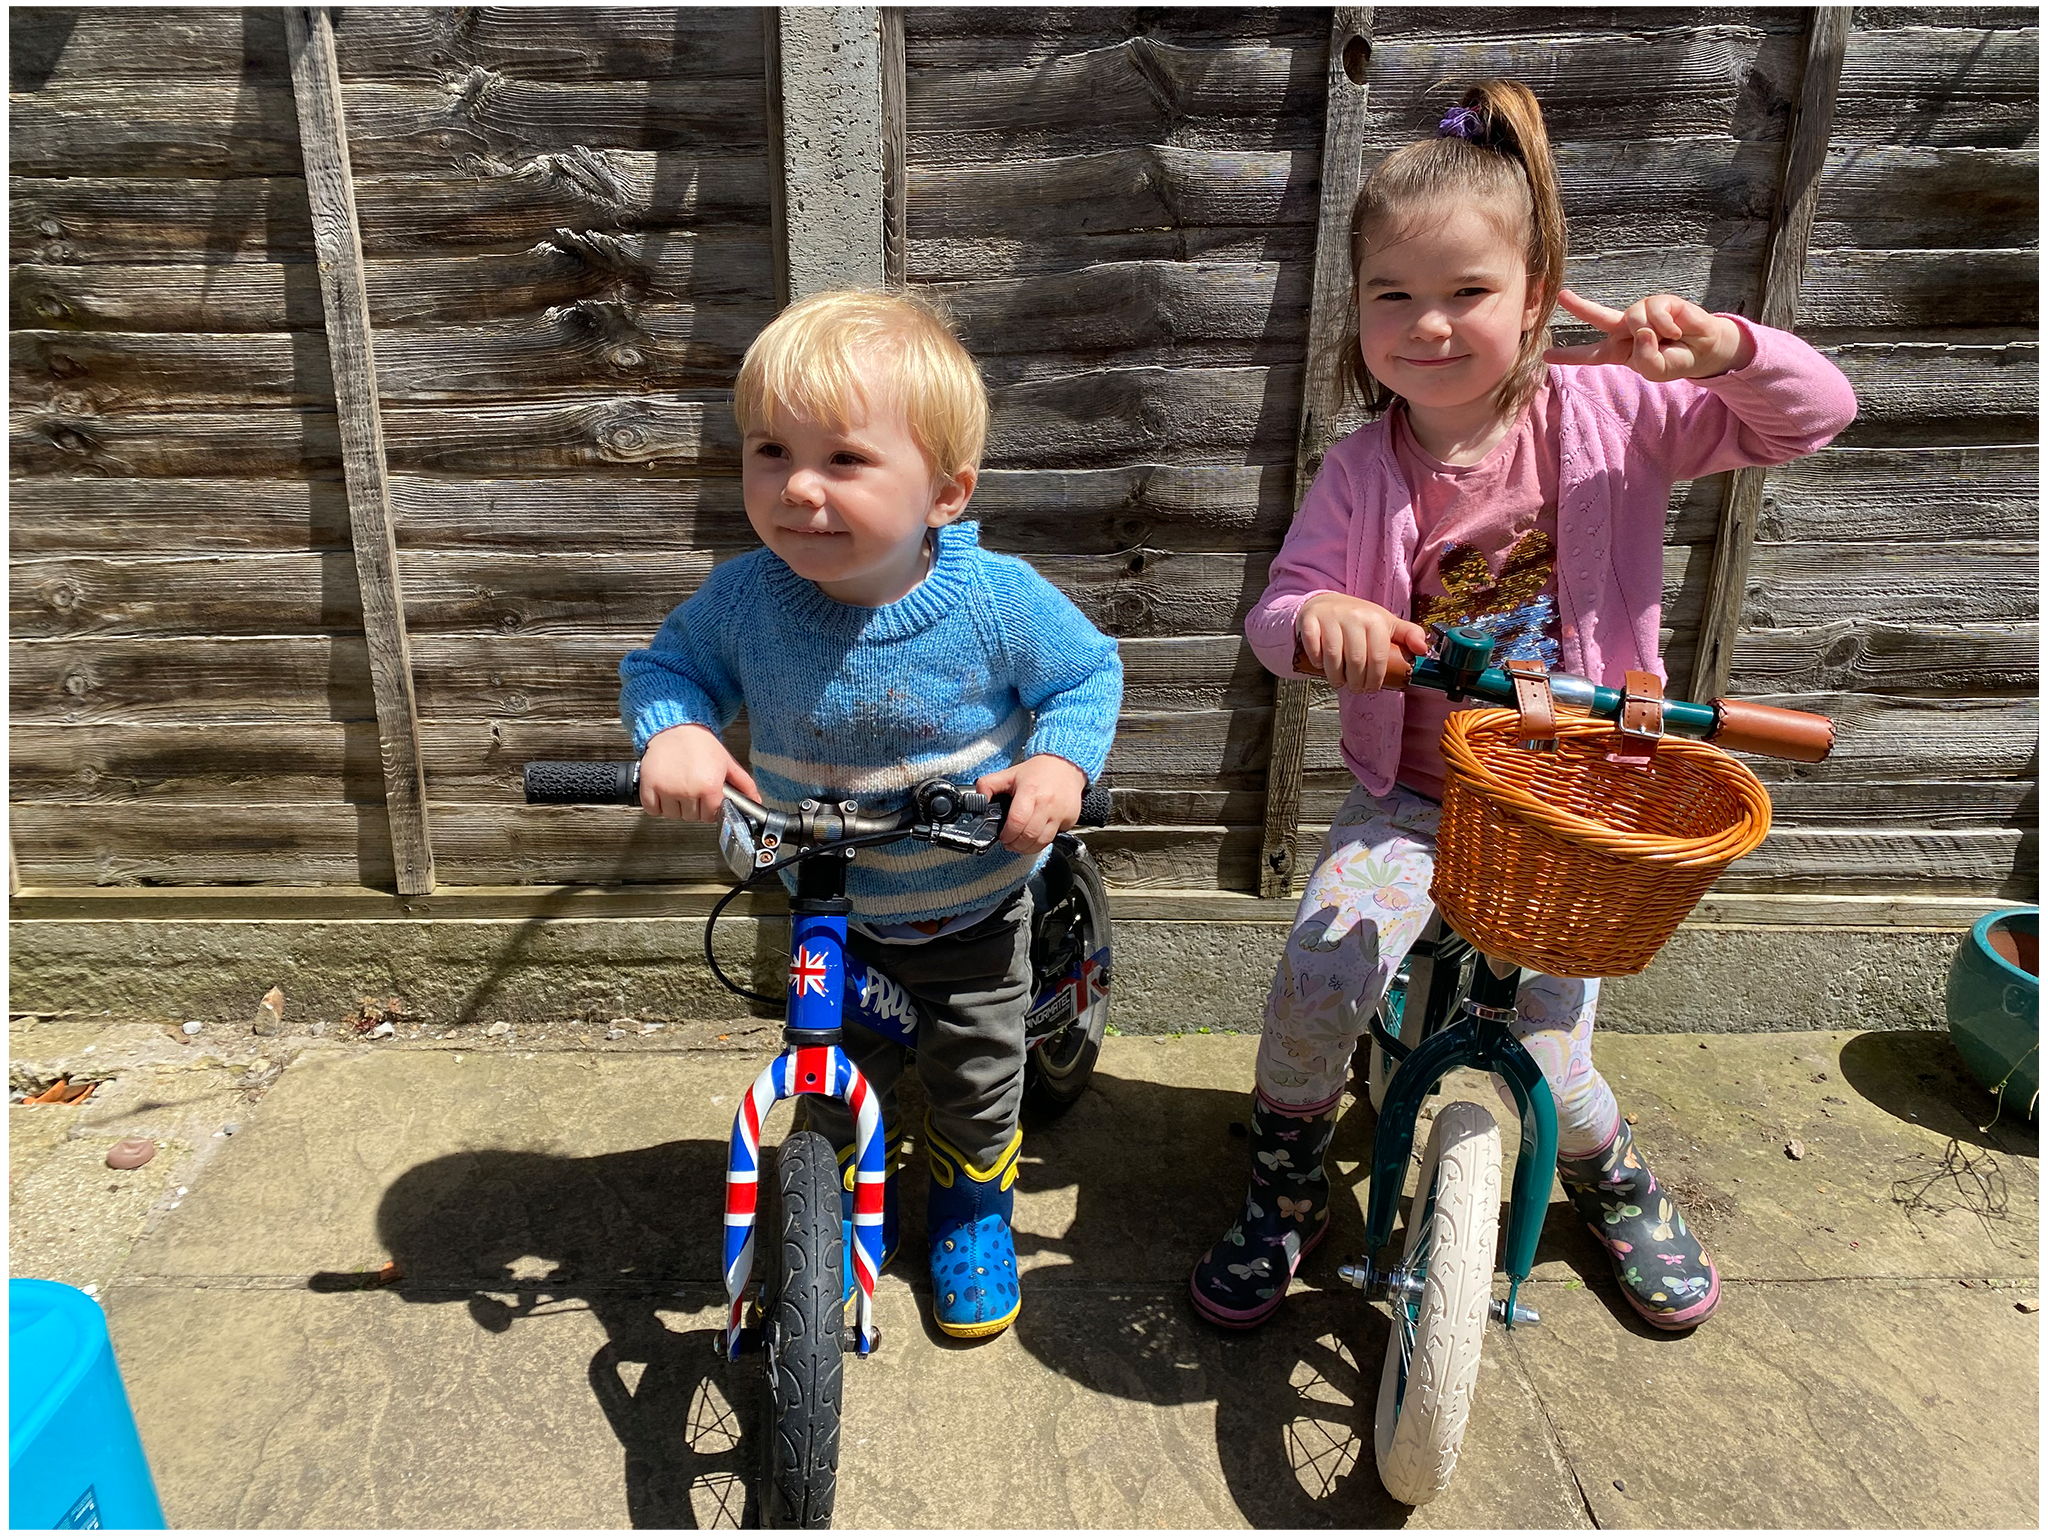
(1479, 1037)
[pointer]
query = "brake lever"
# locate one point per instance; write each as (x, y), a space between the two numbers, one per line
(977, 834)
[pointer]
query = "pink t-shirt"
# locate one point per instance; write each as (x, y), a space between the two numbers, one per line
(1486, 557)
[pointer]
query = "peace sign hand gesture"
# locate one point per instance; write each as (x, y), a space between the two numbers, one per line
(1662, 337)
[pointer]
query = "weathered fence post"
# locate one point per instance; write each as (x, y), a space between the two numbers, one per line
(833, 175)
(1322, 399)
(316, 88)
(1806, 152)
(895, 147)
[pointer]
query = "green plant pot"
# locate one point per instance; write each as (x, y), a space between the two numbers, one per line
(1994, 997)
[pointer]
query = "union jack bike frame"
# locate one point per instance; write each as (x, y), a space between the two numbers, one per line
(811, 1062)
(828, 988)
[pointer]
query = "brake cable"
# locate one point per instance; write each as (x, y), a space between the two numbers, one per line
(712, 959)
(717, 907)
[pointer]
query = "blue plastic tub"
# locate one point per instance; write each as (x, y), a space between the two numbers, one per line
(74, 1460)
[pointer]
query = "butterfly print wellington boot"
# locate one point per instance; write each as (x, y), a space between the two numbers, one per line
(1241, 1281)
(1663, 1268)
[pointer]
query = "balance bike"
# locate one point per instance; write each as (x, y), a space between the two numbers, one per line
(797, 1316)
(1514, 871)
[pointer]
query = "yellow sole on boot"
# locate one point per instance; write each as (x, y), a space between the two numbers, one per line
(980, 1330)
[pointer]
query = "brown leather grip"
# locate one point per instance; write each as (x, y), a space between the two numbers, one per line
(1398, 666)
(1741, 726)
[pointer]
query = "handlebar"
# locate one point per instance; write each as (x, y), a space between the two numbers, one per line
(938, 812)
(1459, 668)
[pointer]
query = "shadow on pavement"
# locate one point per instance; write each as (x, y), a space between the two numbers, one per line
(1158, 1173)
(1917, 1075)
(617, 1235)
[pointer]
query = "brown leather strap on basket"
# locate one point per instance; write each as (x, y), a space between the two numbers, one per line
(1534, 704)
(1641, 725)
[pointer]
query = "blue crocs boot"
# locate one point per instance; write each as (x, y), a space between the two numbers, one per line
(973, 1257)
(889, 1218)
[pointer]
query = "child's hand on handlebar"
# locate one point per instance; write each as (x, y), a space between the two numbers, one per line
(1045, 799)
(1348, 639)
(684, 772)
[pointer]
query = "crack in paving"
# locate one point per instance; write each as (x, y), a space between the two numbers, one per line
(1550, 1427)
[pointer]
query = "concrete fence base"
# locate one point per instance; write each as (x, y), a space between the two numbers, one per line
(1171, 975)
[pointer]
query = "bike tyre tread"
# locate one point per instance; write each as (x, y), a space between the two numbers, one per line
(805, 1317)
(1416, 1448)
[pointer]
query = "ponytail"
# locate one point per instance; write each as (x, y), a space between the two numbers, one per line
(1491, 146)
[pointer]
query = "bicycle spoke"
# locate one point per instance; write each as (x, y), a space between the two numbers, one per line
(1407, 1305)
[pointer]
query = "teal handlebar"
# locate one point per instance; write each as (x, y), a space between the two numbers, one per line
(1494, 686)
(1460, 669)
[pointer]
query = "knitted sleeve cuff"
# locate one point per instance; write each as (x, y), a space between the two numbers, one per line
(650, 719)
(1080, 724)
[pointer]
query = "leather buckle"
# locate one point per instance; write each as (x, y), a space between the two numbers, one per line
(1641, 725)
(1538, 710)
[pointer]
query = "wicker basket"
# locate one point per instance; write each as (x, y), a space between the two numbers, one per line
(1576, 866)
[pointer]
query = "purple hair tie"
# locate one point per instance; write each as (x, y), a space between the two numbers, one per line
(1462, 123)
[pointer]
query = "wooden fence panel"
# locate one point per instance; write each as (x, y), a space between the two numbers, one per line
(567, 234)
(1899, 568)
(565, 220)
(1121, 208)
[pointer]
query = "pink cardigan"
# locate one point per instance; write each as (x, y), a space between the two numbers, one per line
(1623, 442)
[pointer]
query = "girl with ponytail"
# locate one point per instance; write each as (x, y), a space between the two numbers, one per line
(1521, 487)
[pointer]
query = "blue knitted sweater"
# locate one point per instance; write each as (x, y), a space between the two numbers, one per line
(981, 665)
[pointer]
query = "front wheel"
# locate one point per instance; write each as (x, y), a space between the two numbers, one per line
(1072, 936)
(1439, 1302)
(803, 1313)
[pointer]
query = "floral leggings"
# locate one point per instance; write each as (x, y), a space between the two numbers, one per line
(1365, 906)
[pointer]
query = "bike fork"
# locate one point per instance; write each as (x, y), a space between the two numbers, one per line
(811, 1062)
(1481, 1037)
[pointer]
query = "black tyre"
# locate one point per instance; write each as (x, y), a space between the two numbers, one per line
(801, 1329)
(1074, 927)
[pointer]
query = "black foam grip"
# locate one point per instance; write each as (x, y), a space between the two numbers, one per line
(582, 783)
(1095, 806)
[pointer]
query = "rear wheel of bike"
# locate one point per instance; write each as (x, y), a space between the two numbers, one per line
(1440, 1311)
(802, 1318)
(1057, 1069)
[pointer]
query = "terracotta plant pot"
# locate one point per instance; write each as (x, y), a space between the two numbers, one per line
(1994, 995)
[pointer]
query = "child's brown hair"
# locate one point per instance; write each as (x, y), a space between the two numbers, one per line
(1491, 150)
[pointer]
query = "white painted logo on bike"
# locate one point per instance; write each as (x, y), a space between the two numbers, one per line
(885, 1000)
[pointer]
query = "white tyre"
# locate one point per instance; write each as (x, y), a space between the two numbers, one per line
(1432, 1363)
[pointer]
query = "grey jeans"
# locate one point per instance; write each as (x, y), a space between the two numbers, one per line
(972, 989)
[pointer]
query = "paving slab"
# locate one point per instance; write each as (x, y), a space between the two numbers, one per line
(545, 1359)
(287, 1409)
(1837, 1405)
(71, 1218)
